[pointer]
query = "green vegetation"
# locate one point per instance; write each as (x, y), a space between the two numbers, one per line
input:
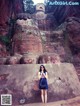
(4, 39)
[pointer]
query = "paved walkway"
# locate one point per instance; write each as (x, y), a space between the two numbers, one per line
(70, 102)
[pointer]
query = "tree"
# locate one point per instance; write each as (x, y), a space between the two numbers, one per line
(28, 6)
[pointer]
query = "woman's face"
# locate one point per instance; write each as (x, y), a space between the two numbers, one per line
(42, 67)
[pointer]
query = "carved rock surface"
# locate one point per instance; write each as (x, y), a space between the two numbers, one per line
(3, 51)
(27, 37)
(73, 29)
(23, 79)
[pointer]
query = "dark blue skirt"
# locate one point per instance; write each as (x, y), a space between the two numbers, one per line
(43, 83)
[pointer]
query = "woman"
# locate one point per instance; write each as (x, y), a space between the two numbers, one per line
(43, 85)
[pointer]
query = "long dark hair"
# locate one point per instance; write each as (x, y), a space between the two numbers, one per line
(43, 67)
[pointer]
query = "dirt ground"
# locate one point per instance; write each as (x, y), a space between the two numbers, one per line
(70, 102)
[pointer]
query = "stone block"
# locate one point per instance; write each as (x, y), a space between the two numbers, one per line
(22, 82)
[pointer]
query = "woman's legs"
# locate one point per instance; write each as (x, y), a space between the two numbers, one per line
(45, 92)
(42, 95)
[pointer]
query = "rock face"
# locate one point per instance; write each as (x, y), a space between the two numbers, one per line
(23, 79)
(3, 51)
(27, 38)
(37, 36)
(73, 29)
(7, 8)
(38, 41)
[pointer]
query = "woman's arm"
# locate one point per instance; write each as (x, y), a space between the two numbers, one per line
(42, 75)
(39, 75)
(46, 75)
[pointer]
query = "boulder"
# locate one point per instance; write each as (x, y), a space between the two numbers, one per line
(12, 60)
(2, 61)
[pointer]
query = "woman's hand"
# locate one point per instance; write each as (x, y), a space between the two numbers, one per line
(42, 75)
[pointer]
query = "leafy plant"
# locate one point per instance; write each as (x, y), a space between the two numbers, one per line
(4, 39)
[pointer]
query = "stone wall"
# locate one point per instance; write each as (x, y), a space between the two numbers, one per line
(22, 82)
